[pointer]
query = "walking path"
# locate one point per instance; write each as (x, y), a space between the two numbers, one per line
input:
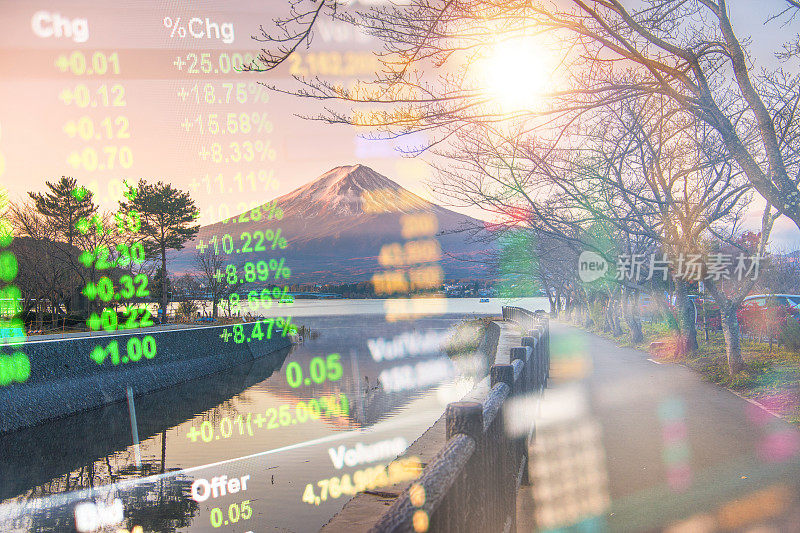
(510, 337)
(627, 444)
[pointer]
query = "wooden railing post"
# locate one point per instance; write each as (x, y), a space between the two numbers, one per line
(503, 453)
(546, 324)
(465, 418)
(470, 495)
(520, 353)
(502, 374)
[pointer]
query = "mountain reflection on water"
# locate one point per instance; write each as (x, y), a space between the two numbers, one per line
(47, 469)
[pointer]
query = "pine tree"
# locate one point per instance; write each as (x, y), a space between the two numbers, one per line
(158, 282)
(64, 206)
(60, 209)
(167, 215)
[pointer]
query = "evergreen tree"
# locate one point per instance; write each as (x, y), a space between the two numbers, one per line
(64, 206)
(59, 210)
(167, 215)
(158, 281)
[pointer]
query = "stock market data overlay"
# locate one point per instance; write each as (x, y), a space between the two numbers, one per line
(399, 265)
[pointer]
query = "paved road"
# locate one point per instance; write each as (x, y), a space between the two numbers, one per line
(625, 444)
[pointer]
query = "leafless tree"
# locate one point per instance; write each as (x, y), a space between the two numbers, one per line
(45, 280)
(186, 291)
(677, 184)
(55, 270)
(730, 293)
(669, 184)
(781, 275)
(211, 268)
(686, 51)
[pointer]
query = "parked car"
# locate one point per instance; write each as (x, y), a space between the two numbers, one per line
(706, 309)
(766, 314)
(648, 309)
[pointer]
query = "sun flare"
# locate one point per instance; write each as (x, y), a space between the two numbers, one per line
(518, 73)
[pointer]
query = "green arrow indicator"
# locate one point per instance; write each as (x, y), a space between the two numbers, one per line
(82, 226)
(94, 322)
(99, 355)
(90, 291)
(79, 193)
(86, 259)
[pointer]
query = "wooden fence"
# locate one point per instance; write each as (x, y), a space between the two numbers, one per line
(471, 484)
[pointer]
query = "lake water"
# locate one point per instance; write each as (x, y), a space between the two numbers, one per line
(415, 306)
(277, 426)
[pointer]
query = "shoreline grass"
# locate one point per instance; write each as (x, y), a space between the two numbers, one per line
(772, 377)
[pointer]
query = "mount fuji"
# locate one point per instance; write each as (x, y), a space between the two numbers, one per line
(335, 235)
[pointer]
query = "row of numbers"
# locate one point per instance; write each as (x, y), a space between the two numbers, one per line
(224, 93)
(103, 96)
(333, 64)
(80, 63)
(391, 281)
(236, 151)
(263, 180)
(86, 129)
(404, 469)
(109, 157)
(284, 415)
(89, 129)
(228, 124)
(213, 62)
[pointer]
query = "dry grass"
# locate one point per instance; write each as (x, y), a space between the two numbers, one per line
(467, 336)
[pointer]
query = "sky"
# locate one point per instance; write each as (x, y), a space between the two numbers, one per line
(183, 116)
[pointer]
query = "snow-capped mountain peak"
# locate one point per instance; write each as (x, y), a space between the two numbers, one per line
(341, 191)
(337, 225)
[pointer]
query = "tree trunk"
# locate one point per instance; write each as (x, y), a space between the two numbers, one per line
(630, 311)
(163, 284)
(92, 307)
(616, 329)
(550, 299)
(588, 321)
(686, 317)
(558, 304)
(730, 331)
(606, 316)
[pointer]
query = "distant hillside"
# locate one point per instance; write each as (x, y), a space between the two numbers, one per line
(335, 236)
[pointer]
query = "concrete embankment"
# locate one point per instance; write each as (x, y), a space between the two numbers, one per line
(64, 379)
(361, 513)
(33, 456)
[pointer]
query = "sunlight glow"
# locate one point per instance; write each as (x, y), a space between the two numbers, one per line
(518, 73)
